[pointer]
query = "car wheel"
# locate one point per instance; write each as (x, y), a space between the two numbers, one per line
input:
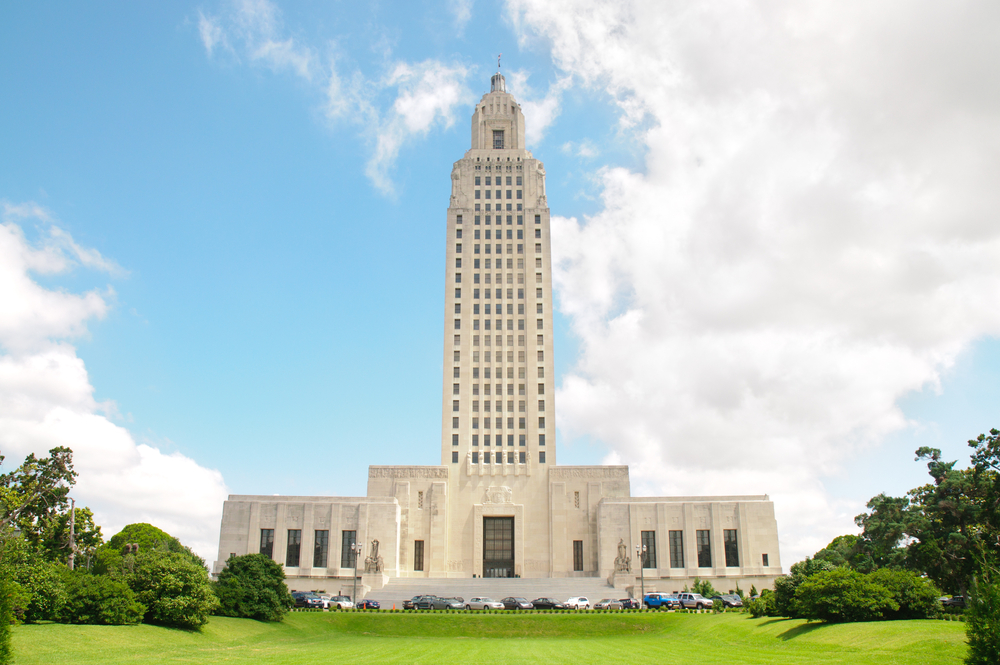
(699, 606)
(468, 607)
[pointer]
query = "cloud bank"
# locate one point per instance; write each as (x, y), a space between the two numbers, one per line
(46, 398)
(813, 235)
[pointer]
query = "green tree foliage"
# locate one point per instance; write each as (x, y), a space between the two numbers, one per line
(786, 585)
(916, 597)
(175, 590)
(842, 551)
(705, 588)
(841, 595)
(983, 624)
(763, 606)
(54, 534)
(37, 585)
(109, 558)
(252, 586)
(886, 525)
(35, 492)
(97, 599)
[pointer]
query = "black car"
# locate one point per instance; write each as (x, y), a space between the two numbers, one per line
(629, 603)
(728, 600)
(424, 602)
(368, 605)
(548, 604)
(511, 603)
(954, 601)
(307, 599)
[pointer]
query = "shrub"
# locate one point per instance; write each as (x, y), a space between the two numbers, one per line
(109, 559)
(174, 590)
(983, 625)
(917, 597)
(252, 586)
(842, 595)
(6, 618)
(36, 584)
(705, 588)
(96, 599)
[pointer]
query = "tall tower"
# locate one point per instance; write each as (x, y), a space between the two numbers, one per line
(498, 401)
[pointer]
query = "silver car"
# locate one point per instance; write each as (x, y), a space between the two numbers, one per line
(608, 604)
(483, 604)
(694, 601)
(578, 603)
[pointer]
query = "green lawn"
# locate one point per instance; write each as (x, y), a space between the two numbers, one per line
(499, 638)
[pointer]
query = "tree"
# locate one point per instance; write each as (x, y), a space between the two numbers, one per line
(842, 551)
(786, 585)
(842, 595)
(705, 588)
(983, 624)
(886, 527)
(252, 586)
(54, 540)
(36, 584)
(915, 596)
(149, 539)
(175, 590)
(35, 492)
(97, 599)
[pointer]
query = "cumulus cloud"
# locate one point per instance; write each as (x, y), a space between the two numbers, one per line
(812, 237)
(461, 10)
(542, 110)
(46, 398)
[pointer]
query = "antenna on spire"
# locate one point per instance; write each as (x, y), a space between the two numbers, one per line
(498, 61)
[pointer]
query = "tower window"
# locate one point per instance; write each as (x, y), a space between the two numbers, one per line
(497, 140)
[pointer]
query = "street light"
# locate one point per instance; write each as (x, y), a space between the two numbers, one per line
(356, 549)
(639, 551)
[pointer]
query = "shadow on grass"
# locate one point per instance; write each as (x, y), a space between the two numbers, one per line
(803, 629)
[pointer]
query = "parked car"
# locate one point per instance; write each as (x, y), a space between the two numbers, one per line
(307, 599)
(608, 604)
(728, 600)
(630, 603)
(548, 604)
(340, 602)
(578, 603)
(483, 604)
(694, 601)
(368, 605)
(446, 604)
(423, 602)
(513, 603)
(663, 601)
(954, 601)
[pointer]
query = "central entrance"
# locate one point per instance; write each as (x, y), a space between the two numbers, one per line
(498, 546)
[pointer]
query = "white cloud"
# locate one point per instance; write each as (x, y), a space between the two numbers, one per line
(211, 32)
(813, 235)
(541, 113)
(46, 398)
(462, 11)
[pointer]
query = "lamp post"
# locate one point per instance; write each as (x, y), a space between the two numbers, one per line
(356, 548)
(639, 551)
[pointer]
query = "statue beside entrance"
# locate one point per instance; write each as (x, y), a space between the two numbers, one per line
(373, 562)
(623, 562)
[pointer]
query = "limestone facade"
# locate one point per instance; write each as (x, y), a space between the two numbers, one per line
(498, 505)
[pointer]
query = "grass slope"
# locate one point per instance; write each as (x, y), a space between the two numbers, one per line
(499, 638)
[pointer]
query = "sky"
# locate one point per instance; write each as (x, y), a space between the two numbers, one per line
(775, 238)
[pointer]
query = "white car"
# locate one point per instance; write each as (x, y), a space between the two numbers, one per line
(483, 604)
(578, 603)
(336, 602)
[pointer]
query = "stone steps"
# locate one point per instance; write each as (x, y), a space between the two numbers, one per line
(563, 588)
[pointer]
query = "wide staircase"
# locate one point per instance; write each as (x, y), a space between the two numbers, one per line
(403, 588)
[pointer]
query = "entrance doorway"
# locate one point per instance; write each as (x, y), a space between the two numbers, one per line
(498, 547)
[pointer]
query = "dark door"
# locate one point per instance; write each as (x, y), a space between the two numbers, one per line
(498, 547)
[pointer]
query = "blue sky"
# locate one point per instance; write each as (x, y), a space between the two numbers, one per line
(753, 265)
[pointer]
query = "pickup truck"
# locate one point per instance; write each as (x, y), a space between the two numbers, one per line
(693, 601)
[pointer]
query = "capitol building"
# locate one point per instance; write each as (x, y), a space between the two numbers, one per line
(498, 505)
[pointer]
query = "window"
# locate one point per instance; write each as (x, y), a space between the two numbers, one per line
(538, 248)
(520, 248)
(347, 557)
(578, 554)
(538, 325)
(454, 387)
(520, 340)
(454, 423)
(458, 293)
(576, 499)
(489, 180)
(508, 181)
(520, 440)
(267, 543)
(458, 308)
(518, 182)
(520, 234)
(521, 457)
(541, 404)
(458, 248)
(541, 372)
(458, 324)
(732, 551)
(293, 548)
(321, 548)
(475, 423)
(458, 356)
(649, 542)
(458, 278)
(477, 181)
(510, 457)
(458, 219)
(497, 143)
(420, 500)
(764, 560)
(538, 219)
(509, 193)
(676, 549)
(458, 263)
(520, 423)
(541, 354)
(418, 548)
(538, 293)
(475, 439)
(456, 373)
(538, 262)
(541, 422)
(458, 233)
(541, 437)
(538, 308)
(541, 388)
(454, 456)
(499, 459)
(454, 439)
(477, 194)
(454, 405)
(475, 457)
(541, 457)
(510, 437)
(704, 548)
